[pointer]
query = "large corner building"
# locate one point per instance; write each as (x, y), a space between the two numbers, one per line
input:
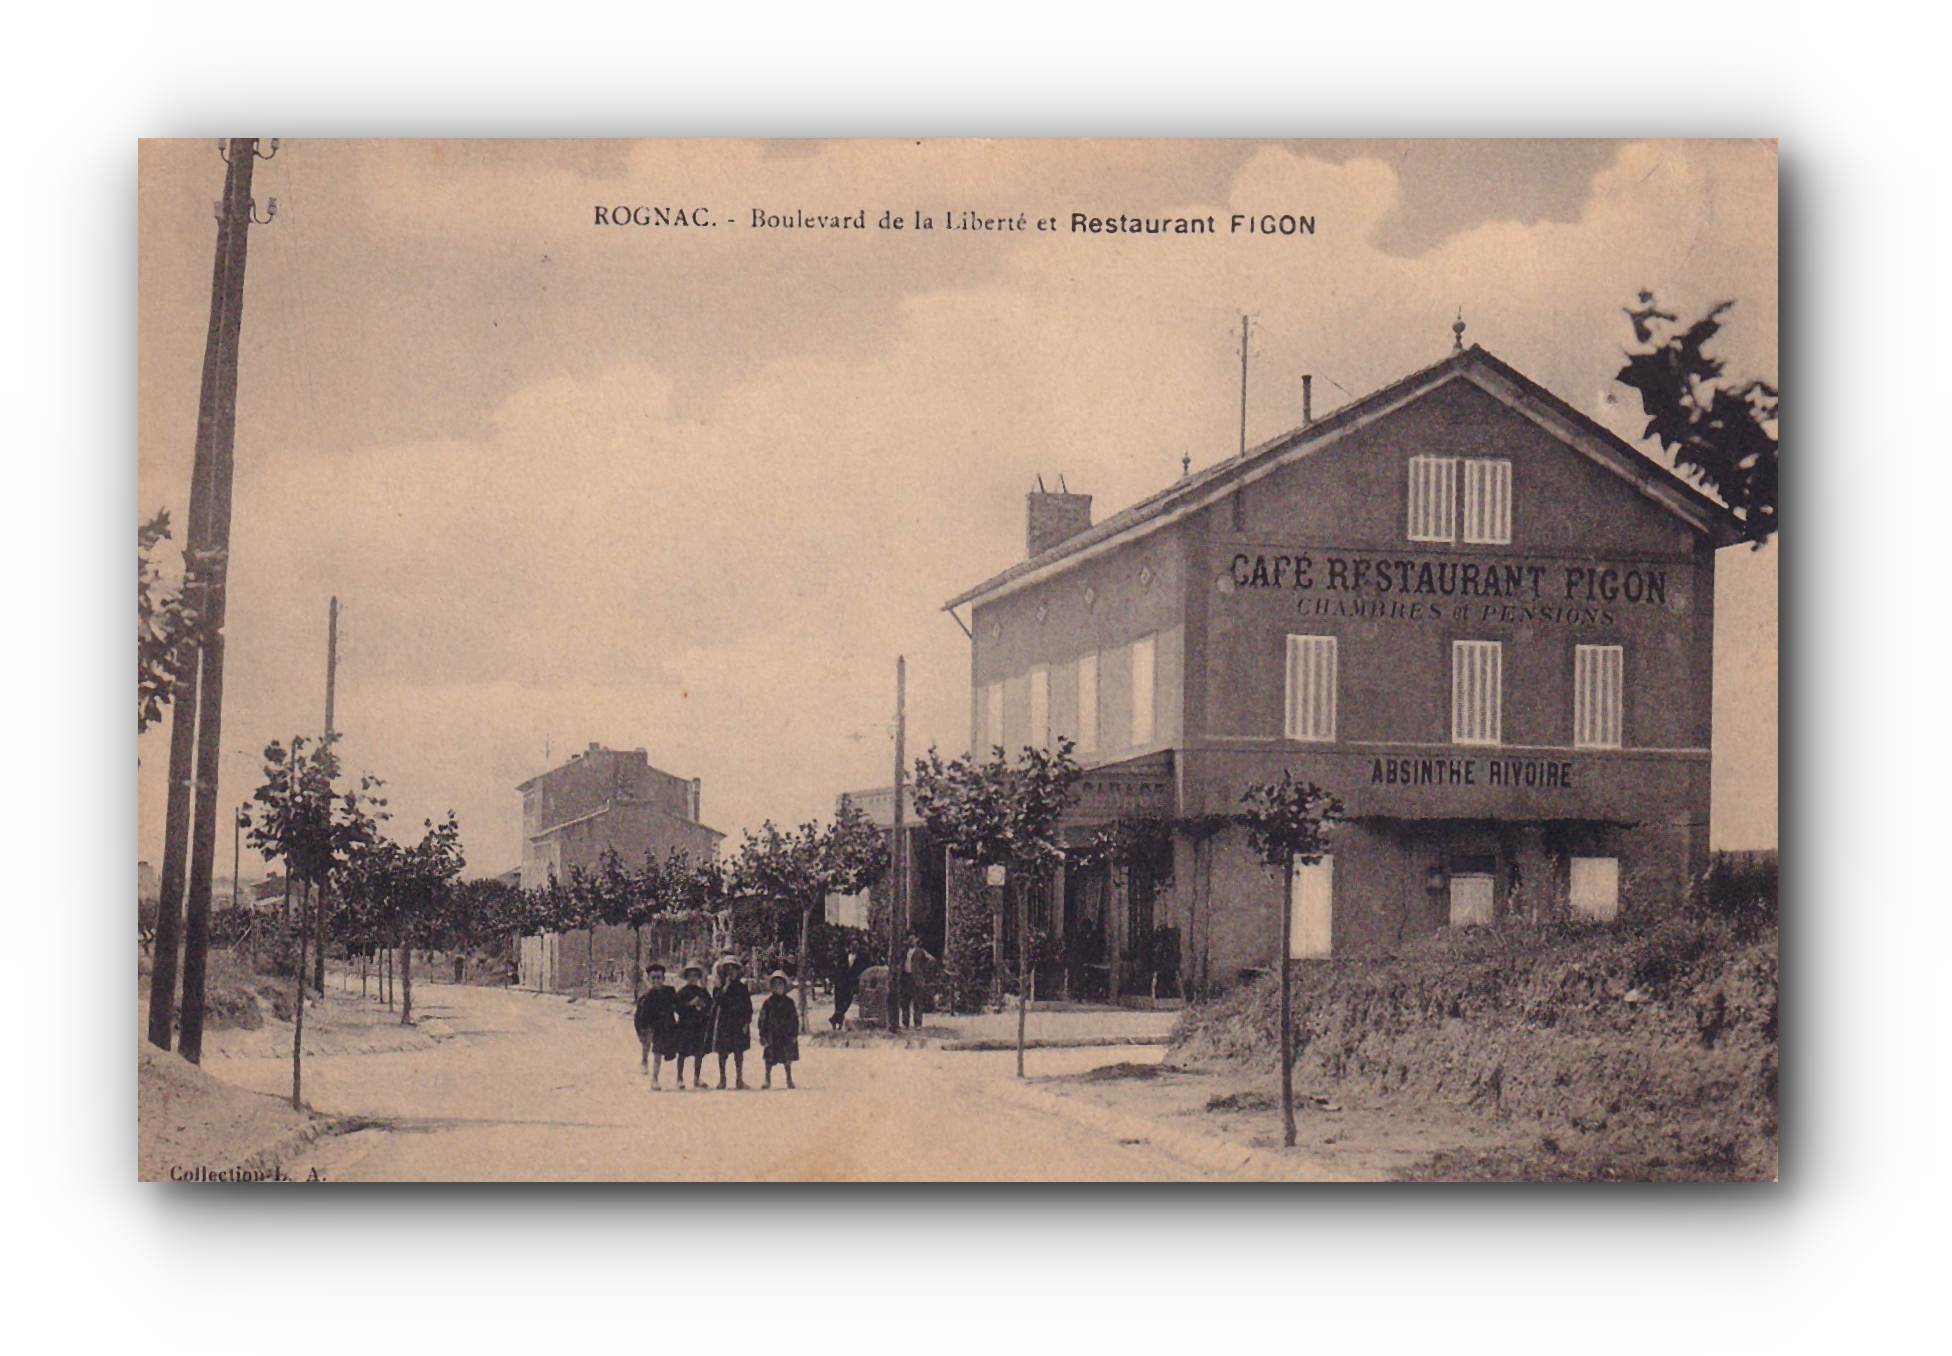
(1479, 618)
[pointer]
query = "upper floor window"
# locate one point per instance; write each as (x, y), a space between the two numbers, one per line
(992, 718)
(1040, 706)
(1144, 671)
(1476, 692)
(1311, 687)
(1088, 704)
(1487, 501)
(1433, 498)
(1596, 673)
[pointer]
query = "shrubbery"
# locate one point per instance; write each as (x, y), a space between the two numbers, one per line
(1654, 1035)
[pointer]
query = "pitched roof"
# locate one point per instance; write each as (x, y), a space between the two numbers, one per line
(1474, 364)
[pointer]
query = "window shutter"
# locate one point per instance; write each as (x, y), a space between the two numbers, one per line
(1040, 707)
(1311, 687)
(1088, 704)
(993, 725)
(1433, 499)
(1487, 502)
(1144, 652)
(1476, 692)
(1596, 696)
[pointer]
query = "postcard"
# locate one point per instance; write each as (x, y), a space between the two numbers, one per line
(957, 661)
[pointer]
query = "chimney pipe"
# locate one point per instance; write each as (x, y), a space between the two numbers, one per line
(1307, 400)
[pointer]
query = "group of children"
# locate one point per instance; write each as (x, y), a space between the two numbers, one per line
(691, 1021)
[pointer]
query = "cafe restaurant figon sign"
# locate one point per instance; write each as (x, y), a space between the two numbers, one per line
(1413, 589)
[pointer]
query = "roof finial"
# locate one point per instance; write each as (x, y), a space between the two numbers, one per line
(1457, 333)
(1185, 464)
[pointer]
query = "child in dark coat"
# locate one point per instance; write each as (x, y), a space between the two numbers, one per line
(657, 1023)
(694, 1025)
(732, 1020)
(779, 1028)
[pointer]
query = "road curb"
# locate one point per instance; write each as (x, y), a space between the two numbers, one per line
(994, 1044)
(267, 1160)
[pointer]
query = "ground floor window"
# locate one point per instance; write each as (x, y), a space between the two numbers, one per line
(1596, 888)
(1471, 899)
(1312, 910)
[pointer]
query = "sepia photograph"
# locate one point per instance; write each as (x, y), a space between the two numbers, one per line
(957, 661)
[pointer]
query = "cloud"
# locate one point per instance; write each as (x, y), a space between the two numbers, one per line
(715, 549)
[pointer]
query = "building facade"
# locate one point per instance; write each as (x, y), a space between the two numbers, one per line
(601, 799)
(1475, 615)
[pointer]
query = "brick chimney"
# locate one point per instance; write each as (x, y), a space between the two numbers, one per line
(1053, 516)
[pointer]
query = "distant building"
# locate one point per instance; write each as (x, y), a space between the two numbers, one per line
(600, 799)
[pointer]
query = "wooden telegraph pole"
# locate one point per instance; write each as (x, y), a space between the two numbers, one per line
(1287, 1003)
(208, 563)
(898, 849)
(183, 703)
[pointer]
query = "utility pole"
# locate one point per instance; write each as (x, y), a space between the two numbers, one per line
(1243, 385)
(898, 849)
(1287, 1002)
(183, 700)
(331, 686)
(208, 553)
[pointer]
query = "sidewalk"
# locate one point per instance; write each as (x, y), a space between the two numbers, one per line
(1080, 1026)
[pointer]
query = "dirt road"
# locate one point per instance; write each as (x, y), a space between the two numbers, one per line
(532, 1088)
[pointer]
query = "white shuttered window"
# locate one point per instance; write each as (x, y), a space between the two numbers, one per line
(992, 718)
(1487, 502)
(1088, 704)
(1596, 887)
(1596, 674)
(1476, 692)
(1311, 687)
(1144, 656)
(1040, 706)
(1433, 498)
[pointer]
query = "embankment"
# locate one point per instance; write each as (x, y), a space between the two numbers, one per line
(1653, 1046)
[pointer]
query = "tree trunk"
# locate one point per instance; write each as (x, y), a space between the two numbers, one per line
(406, 984)
(996, 948)
(1023, 968)
(362, 974)
(636, 962)
(806, 921)
(589, 974)
(1287, 1006)
(318, 929)
(298, 1017)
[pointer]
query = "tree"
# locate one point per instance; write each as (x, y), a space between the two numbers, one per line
(995, 814)
(793, 872)
(305, 819)
(663, 889)
(164, 621)
(424, 881)
(1288, 822)
(597, 898)
(1720, 433)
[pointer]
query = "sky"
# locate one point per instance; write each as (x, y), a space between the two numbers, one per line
(695, 490)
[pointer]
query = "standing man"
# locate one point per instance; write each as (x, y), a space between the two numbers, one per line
(916, 972)
(847, 983)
